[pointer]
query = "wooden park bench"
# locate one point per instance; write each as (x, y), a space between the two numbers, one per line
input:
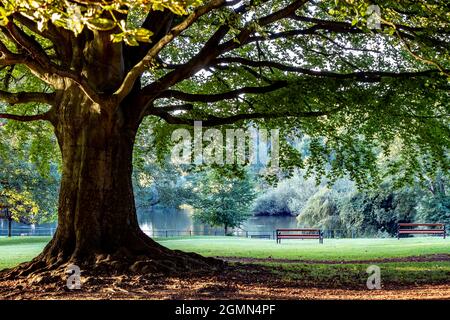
(437, 229)
(299, 234)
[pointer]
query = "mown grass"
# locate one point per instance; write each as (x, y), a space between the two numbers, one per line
(16, 250)
(331, 249)
(20, 249)
(356, 275)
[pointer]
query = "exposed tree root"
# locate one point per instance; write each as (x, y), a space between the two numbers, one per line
(150, 260)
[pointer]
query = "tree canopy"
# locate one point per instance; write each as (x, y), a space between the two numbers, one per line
(309, 68)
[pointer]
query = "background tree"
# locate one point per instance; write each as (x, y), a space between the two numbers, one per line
(28, 187)
(321, 210)
(163, 185)
(377, 212)
(434, 204)
(18, 207)
(222, 201)
(93, 70)
(287, 198)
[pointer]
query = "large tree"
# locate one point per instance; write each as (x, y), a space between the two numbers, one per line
(94, 70)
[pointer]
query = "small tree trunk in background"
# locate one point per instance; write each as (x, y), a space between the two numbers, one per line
(226, 229)
(9, 227)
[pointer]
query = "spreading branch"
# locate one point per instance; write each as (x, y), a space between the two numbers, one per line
(140, 67)
(361, 76)
(174, 108)
(212, 121)
(27, 97)
(7, 58)
(26, 118)
(191, 97)
(211, 50)
(41, 65)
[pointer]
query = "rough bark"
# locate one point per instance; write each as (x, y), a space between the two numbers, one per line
(97, 222)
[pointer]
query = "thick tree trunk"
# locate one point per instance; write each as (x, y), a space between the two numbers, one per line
(96, 211)
(97, 222)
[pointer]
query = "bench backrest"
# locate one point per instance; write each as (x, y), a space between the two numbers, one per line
(298, 230)
(442, 225)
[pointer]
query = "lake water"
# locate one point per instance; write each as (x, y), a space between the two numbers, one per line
(169, 222)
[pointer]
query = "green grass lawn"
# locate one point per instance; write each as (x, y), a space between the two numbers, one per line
(355, 275)
(20, 249)
(331, 249)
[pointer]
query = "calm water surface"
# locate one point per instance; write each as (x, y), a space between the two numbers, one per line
(167, 222)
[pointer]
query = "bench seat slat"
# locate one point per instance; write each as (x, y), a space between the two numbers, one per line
(300, 236)
(296, 230)
(309, 232)
(299, 233)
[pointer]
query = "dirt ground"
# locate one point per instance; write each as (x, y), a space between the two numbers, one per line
(242, 281)
(423, 258)
(213, 289)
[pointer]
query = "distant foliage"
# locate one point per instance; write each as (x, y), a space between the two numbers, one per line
(287, 198)
(18, 206)
(379, 211)
(222, 201)
(164, 186)
(434, 205)
(435, 209)
(275, 202)
(29, 183)
(321, 210)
